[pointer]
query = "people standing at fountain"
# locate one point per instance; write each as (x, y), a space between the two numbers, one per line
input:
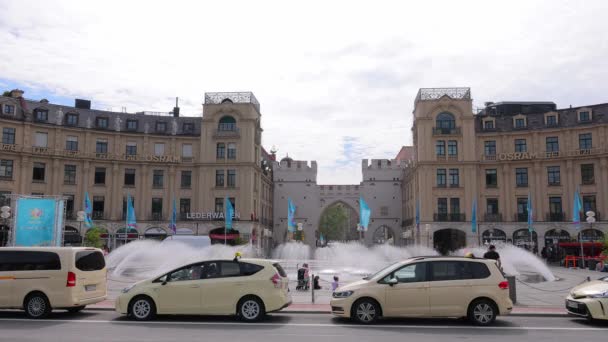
(334, 284)
(316, 283)
(492, 254)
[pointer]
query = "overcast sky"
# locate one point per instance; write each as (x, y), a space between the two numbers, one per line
(336, 80)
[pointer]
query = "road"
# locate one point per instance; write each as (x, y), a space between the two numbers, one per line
(107, 326)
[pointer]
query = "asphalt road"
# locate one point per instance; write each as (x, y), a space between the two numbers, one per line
(108, 326)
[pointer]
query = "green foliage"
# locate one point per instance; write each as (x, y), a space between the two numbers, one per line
(92, 238)
(298, 235)
(6, 93)
(605, 251)
(334, 223)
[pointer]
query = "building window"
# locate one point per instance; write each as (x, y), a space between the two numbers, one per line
(188, 128)
(227, 123)
(186, 179)
(455, 205)
(587, 174)
(441, 178)
(231, 151)
(157, 208)
(98, 207)
(552, 144)
(6, 169)
(159, 149)
(555, 209)
(161, 127)
(491, 178)
(454, 178)
(553, 175)
(101, 123)
(187, 151)
(521, 177)
(584, 117)
(219, 205)
(589, 204)
(8, 136)
(41, 139)
(158, 179)
(39, 169)
(100, 175)
(131, 149)
(442, 206)
(492, 206)
(446, 121)
(184, 206)
(41, 115)
(383, 211)
(231, 178)
(69, 206)
(520, 123)
(221, 151)
(130, 177)
(101, 146)
(131, 125)
(552, 120)
(69, 175)
(584, 141)
(219, 178)
(490, 148)
(9, 109)
(440, 147)
(520, 145)
(522, 209)
(489, 124)
(452, 148)
(71, 143)
(71, 119)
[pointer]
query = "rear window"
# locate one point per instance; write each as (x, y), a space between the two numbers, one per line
(479, 270)
(230, 269)
(248, 269)
(90, 261)
(29, 261)
(458, 270)
(280, 270)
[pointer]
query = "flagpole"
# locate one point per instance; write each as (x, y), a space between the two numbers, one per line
(127, 220)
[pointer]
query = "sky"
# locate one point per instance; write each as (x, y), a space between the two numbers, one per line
(336, 80)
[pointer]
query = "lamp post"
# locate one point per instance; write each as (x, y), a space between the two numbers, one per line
(5, 214)
(80, 219)
(427, 228)
(590, 219)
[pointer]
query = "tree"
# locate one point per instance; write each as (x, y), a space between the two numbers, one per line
(334, 223)
(6, 93)
(92, 238)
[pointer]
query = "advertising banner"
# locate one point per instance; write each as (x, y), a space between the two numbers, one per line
(35, 222)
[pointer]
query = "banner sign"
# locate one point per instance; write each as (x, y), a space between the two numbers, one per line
(35, 222)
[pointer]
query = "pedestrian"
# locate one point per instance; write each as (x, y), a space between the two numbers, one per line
(543, 253)
(335, 284)
(492, 254)
(316, 283)
(106, 250)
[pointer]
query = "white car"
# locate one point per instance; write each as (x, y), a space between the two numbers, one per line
(589, 300)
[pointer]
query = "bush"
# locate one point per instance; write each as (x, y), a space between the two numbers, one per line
(92, 238)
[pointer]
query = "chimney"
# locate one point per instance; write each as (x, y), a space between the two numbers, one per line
(16, 93)
(176, 109)
(82, 104)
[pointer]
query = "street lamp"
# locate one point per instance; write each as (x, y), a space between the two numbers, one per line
(5, 213)
(590, 219)
(80, 218)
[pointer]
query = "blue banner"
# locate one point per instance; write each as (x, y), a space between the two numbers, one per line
(35, 222)
(173, 223)
(530, 209)
(291, 215)
(229, 214)
(474, 217)
(131, 222)
(365, 213)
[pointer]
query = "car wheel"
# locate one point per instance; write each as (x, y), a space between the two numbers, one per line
(251, 309)
(37, 306)
(482, 312)
(366, 311)
(76, 309)
(142, 309)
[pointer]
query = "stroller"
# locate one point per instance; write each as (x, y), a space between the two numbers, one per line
(302, 280)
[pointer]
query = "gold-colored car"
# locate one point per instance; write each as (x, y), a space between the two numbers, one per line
(428, 287)
(248, 288)
(589, 300)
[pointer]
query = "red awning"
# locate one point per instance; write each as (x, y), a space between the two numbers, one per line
(222, 236)
(578, 244)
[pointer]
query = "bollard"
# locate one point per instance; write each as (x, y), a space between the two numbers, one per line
(512, 289)
(312, 287)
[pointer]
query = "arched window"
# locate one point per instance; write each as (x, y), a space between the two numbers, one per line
(227, 123)
(446, 120)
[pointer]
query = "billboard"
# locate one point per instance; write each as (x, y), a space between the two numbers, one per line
(38, 222)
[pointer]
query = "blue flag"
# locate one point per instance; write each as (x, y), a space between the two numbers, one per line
(88, 211)
(228, 214)
(321, 238)
(418, 216)
(576, 208)
(365, 212)
(529, 207)
(291, 213)
(474, 217)
(131, 222)
(173, 223)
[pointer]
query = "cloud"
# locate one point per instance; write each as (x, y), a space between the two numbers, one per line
(336, 80)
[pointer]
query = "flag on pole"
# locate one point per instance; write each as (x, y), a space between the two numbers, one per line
(88, 210)
(474, 216)
(291, 213)
(131, 222)
(418, 216)
(365, 213)
(577, 206)
(228, 214)
(529, 207)
(321, 239)
(173, 223)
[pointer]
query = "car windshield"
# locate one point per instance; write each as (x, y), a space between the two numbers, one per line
(381, 271)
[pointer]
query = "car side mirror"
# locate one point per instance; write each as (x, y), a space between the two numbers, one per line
(392, 281)
(164, 283)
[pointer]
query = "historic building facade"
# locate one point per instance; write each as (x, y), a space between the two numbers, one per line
(501, 156)
(49, 149)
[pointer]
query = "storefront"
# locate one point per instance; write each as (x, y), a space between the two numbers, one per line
(590, 235)
(522, 239)
(155, 233)
(494, 236)
(4, 235)
(124, 236)
(221, 236)
(71, 236)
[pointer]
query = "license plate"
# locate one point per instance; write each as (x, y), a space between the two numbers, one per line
(572, 304)
(90, 287)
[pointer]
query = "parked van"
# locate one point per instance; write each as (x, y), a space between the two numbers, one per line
(40, 279)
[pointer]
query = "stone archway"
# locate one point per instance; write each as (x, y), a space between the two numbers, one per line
(384, 235)
(449, 240)
(338, 222)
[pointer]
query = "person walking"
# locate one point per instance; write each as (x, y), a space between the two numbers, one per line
(335, 284)
(492, 254)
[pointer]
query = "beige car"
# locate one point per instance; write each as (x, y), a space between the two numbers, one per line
(427, 287)
(40, 279)
(248, 288)
(589, 300)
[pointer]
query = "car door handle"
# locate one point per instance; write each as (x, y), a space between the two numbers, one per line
(195, 286)
(239, 284)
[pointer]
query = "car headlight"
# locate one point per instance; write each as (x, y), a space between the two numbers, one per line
(342, 294)
(599, 295)
(127, 289)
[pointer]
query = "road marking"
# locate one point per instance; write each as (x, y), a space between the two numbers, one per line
(311, 325)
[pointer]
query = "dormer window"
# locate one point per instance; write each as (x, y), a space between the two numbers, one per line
(551, 120)
(520, 123)
(41, 115)
(102, 123)
(488, 125)
(188, 128)
(161, 127)
(227, 123)
(9, 109)
(71, 119)
(584, 116)
(131, 125)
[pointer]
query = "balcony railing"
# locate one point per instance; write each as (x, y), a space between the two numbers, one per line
(227, 133)
(156, 217)
(449, 217)
(519, 217)
(232, 97)
(69, 215)
(555, 217)
(407, 222)
(97, 215)
(489, 217)
(446, 131)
